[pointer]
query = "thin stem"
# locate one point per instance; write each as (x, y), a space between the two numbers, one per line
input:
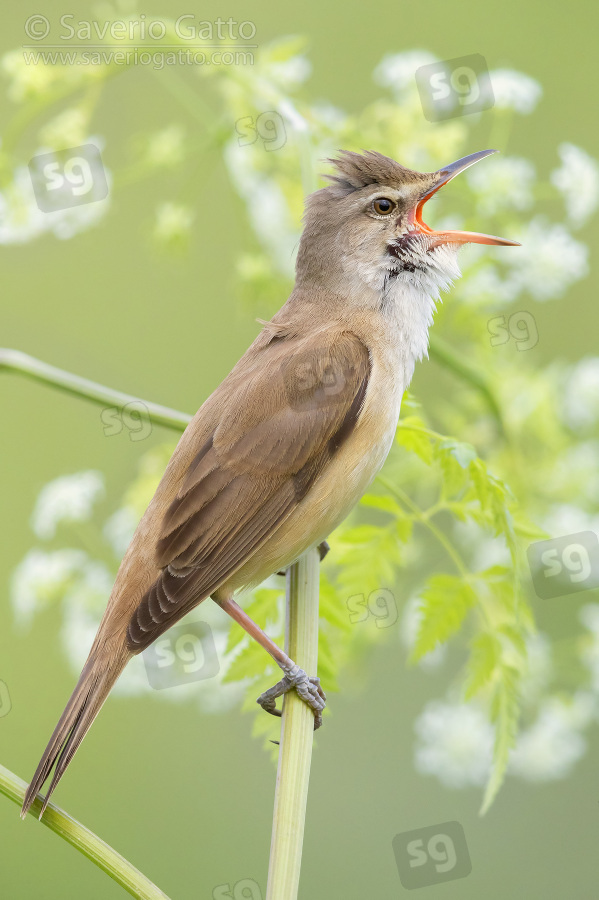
(297, 730)
(443, 353)
(84, 840)
(421, 516)
(23, 364)
(424, 518)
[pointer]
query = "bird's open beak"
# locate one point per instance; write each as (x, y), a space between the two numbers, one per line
(455, 237)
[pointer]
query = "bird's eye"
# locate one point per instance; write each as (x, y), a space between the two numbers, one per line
(383, 206)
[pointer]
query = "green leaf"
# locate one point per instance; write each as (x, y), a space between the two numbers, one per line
(505, 710)
(445, 601)
(248, 664)
(413, 435)
(382, 502)
(262, 609)
(463, 453)
(485, 652)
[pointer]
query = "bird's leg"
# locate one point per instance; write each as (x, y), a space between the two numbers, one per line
(308, 687)
(323, 548)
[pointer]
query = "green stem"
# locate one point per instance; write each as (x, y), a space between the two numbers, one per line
(297, 730)
(21, 363)
(84, 840)
(423, 518)
(443, 353)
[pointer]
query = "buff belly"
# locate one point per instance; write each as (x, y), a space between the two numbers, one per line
(334, 493)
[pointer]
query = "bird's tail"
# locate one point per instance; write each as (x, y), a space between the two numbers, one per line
(92, 689)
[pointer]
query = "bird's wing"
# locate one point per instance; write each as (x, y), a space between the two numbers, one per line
(284, 416)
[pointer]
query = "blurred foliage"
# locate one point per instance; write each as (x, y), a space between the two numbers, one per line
(492, 464)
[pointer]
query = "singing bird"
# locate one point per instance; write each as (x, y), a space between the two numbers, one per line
(281, 451)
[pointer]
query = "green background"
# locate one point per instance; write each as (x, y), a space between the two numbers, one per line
(188, 797)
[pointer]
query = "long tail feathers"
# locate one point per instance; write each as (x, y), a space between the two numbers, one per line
(85, 703)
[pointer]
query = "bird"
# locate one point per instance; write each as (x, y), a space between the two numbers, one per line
(278, 455)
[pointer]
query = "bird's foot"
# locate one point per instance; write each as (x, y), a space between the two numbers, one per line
(307, 686)
(323, 548)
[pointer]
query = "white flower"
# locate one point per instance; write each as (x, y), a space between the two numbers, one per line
(328, 116)
(577, 179)
(397, 70)
(455, 744)
(580, 405)
(506, 183)
(294, 118)
(22, 220)
(549, 261)
(577, 469)
(119, 529)
(410, 623)
(486, 284)
(42, 578)
(290, 73)
(513, 90)
(564, 518)
(549, 749)
(66, 499)
(267, 208)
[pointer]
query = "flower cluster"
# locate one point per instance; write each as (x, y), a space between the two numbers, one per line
(535, 428)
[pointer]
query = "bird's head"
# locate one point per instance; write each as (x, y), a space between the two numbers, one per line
(368, 223)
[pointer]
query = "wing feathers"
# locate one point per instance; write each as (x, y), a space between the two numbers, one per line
(275, 436)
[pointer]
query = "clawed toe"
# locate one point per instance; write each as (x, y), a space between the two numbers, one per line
(307, 687)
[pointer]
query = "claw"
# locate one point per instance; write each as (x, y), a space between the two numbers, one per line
(323, 548)
(307, 687)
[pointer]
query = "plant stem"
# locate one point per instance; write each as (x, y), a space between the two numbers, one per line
(297, 731)
(84, 840)
(23, 364)
(443, 353)
(424, 519)
(297, 725)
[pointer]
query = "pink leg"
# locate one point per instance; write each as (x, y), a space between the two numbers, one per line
(308, 687)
